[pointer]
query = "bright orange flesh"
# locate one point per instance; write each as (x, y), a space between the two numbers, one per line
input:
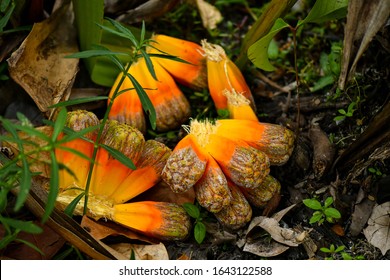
(141, 216)
(78, 165)
(190, 74)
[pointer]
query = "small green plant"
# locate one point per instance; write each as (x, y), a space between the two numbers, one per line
(334, 253)
(199, 228)
(375, 171)
(346, 114)
(322, 212)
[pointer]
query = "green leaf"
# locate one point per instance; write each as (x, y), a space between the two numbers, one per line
(59, 124)
(26, 226)
(25, 184)
(72, 205)
(328, 202)
(93, 53)
(315, 218)
(346, 256)
(31, 245)
(332, 212)
(191, 210)
(339, 249)
(322, 82)
(53, 187)
(79, 101)
(146, 103)
(122, 31)
(199, 232)
(149, 64)
(325, 250)
(273, 49)
(4, 19)
(258, 52)
(312, 203)
(324, 10)
(339, 118)
(119, 156)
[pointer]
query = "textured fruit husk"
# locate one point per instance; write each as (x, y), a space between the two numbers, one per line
(185, 166)
(172, 107)
(127, 107)
(108, 173)
(192, 74)
(276, 141)
(223, 75)
(261, 195)
(244, 165)
(239, 106)
(162, 220)
(238, 213)
(77, 121)
(212, 191)
(147, 174)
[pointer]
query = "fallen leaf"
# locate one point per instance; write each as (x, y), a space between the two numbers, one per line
(378, 230)
(210, 15)
(49, 242)
(100, 230)
(359, 31)
(264, 248)
(142, 252)
(282, 238)
(39, 162)
(40, 66)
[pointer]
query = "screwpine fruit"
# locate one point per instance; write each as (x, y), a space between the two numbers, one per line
(113, 184)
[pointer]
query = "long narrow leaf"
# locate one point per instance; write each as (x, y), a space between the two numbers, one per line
(146, 103)
(26, 226)
(119, 156)
(149, 64)
(123, 30)
(72, 206)
(76, 152)
(25, 184)
(94, 53)
(79, 101)
(31, 245)
(59, 124)
(53, 189)
(71, 134)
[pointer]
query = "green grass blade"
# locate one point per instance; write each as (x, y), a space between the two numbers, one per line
(59, 124)
(53, 189)
(26, 226)
(72, 206)
(123, 32)
(94, 53)
(78, 101)
(149, 64)
(119, 156)
(145, 100)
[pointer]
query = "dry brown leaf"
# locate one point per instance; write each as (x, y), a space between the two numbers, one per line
(100, 230)
(210, 15)
(265, 248)
(364, 20)
(39, 65)
(38, 162)
(49, 242)
(142, 252)
(282, 238)
(378, 230)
